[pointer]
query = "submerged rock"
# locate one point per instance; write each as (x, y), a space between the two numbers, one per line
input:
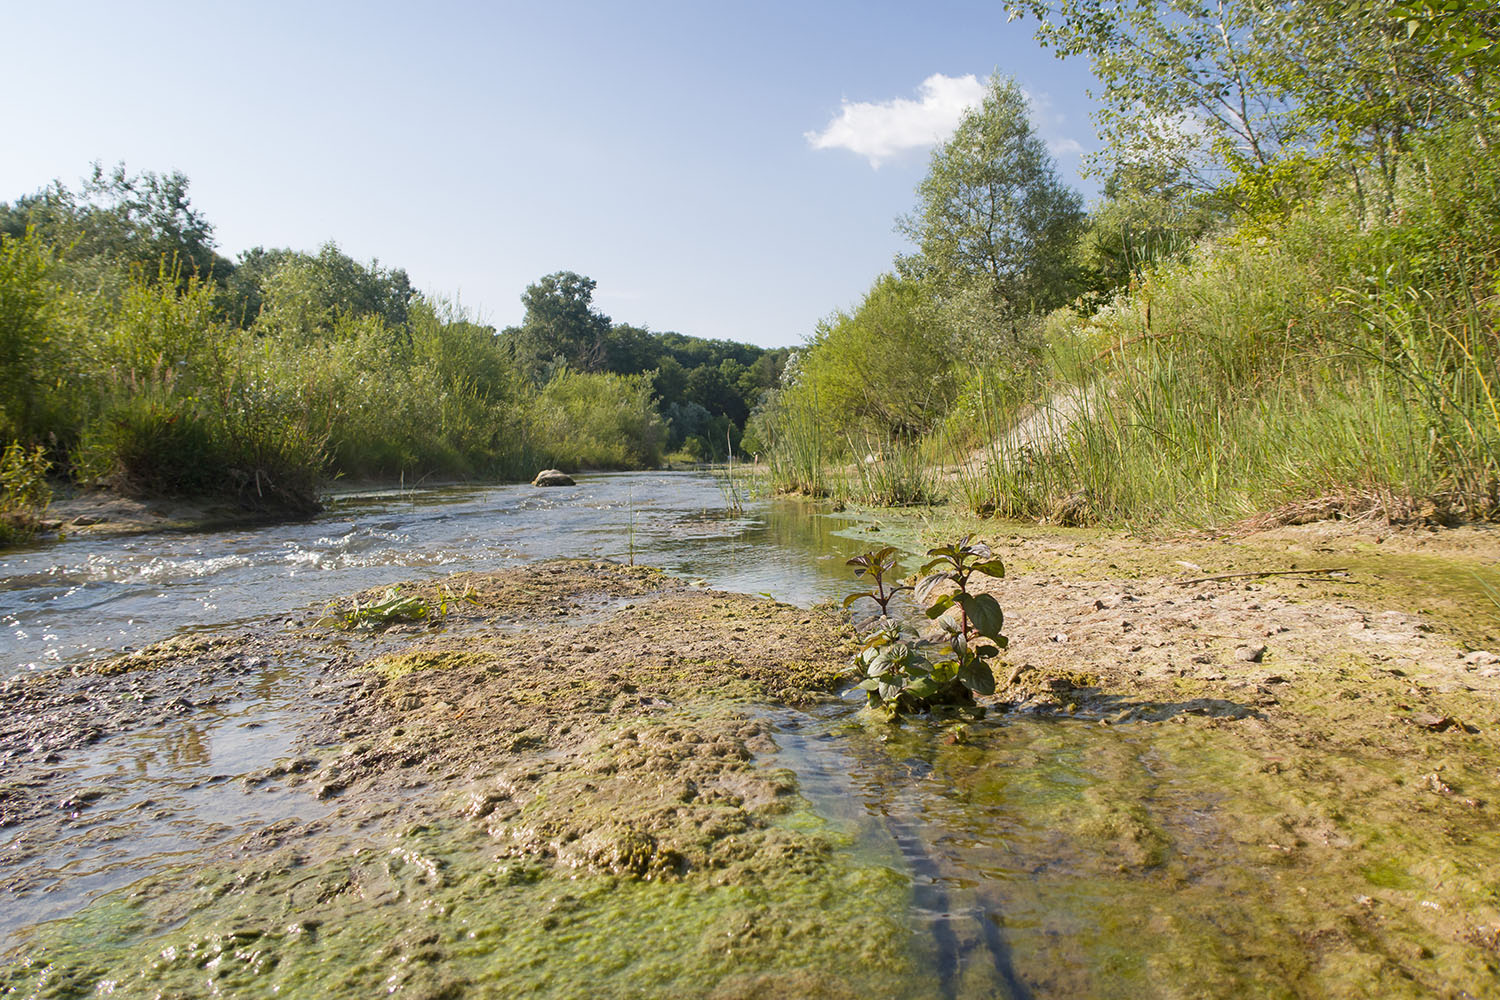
(553, 477)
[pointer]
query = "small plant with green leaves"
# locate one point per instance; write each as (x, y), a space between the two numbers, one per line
(391, 608)
(904, 674)
(876, 565)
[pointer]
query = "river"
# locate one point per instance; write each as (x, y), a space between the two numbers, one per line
(67, 601)
(1037, 854)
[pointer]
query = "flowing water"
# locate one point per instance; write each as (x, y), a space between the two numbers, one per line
(65, 601)
(1037, 857)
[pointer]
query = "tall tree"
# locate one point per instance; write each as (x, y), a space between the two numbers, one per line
(562, 324)
(144, 219)
(992, 213)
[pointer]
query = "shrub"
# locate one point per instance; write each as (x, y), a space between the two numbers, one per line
(24, 493)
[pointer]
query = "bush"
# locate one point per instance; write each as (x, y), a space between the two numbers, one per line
(24, 493)
(599, 421)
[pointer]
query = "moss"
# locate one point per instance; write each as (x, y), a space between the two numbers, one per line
(168, 652)
(398, 665)
(431, 915)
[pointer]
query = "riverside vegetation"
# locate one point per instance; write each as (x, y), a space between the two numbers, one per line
(1287, 310)
(134, 356)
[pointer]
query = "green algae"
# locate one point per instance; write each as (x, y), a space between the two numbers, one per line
(1202, 857)
(433, 913)
(397, 665)
(1335, 846)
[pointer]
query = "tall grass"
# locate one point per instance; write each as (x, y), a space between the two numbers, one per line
(896, 473)
(1257, 384)
(798, 454)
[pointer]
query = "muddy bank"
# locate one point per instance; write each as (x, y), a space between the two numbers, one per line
(557, 788)
(76, 511)
(575, 784)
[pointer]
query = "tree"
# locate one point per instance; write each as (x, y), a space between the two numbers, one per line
(883, 370)
(305, 294)
(992, 212)
(562, 324)
(1247, 89)
(144, 219)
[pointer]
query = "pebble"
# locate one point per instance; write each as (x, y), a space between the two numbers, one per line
(1250, 654)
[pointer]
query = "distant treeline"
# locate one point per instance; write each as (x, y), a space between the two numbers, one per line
(136, 356)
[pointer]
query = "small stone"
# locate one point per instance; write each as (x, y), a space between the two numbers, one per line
(1059, 637)
(1250, 654)
(1481, 658)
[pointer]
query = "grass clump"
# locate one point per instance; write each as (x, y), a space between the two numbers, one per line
(393, 607)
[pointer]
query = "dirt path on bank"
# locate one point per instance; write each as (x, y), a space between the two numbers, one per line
(577, 760)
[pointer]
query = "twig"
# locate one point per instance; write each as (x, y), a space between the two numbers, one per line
(1274, 572)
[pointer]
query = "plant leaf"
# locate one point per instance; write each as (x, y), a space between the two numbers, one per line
(990, 567)
(942, 604)
(978, 677)
(985, 616)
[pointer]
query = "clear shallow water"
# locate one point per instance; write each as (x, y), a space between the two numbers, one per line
(79, 598)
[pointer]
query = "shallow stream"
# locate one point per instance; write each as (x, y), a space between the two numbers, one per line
(1036, 856)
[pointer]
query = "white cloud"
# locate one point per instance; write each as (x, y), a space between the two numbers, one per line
(878, 130)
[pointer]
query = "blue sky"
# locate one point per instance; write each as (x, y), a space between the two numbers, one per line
(671, 151)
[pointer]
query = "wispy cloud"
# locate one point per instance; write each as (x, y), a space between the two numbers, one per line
(878, 130)
(1050, 123)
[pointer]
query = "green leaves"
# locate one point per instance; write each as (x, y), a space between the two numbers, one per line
(897, 674)
(876, 564)
(984, 614)
(992, 213)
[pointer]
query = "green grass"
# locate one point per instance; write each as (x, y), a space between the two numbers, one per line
(1308, 367)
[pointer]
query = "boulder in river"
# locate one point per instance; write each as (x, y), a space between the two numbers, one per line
(553, 477)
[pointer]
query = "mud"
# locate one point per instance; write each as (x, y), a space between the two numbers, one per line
(564, 722)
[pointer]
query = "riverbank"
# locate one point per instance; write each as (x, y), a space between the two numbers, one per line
(577, 783)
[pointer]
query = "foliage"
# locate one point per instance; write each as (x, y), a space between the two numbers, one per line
(876, 565)
(991, 212)
(303, 296)
(1333, 370)
(883, 370)
(561, 327)
(903, 674)
(598, 420)
(1237, 89)
(895, 473)
(25, 334)
(144, 220)
(24, 493)
(147, 363)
